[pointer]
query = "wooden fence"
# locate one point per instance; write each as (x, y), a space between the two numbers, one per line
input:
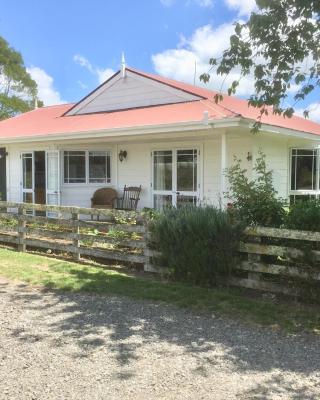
(276, 260)
(270, 258)
(113, 235)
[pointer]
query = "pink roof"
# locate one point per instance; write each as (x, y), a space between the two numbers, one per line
(50, 120)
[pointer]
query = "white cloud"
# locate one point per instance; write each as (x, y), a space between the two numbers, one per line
(201, 3)
(46, 91)
(314, 111)
(206, 42)
(244, 7)
(167, 3)
(83, 62)
(204, 3)
(102, 74)
(82, 85)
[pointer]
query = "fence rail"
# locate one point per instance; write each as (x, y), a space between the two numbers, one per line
(118, 235)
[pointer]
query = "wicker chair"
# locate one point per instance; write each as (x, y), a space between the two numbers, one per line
(130, 198)
(103, 198)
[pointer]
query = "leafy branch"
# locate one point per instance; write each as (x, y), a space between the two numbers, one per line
(280, 46)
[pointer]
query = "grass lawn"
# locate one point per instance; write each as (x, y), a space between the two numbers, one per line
(62, 275)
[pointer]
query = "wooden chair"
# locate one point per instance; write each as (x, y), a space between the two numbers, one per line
(103, 198)
(130, 198)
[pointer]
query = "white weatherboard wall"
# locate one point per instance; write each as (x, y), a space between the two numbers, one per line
(81, 194)
(277, 157)
(277, 151)
(137, 168)
(211, 159)
(236, 146)
(71, 194)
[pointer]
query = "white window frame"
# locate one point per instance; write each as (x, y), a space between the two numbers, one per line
(87, 179)
(305, 192)
(22, 189)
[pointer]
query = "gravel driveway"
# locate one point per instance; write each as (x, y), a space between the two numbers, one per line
(80, 346)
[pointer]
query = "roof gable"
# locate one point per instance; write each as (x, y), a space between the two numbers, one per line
(131, 91)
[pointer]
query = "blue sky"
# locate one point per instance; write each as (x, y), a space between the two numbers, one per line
(71, 46)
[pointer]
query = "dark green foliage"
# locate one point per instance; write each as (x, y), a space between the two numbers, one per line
(279, 46)
(199, 244)
(255, 201)
(18, 90)
(304, 216)
(150, 213)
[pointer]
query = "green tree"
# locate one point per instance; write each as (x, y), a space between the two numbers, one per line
(280, 46)
(18, 91)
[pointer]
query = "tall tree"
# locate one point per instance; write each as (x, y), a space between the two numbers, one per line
(280, 46)
(18, 91)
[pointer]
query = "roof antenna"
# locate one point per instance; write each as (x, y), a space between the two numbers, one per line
(36, 105)
(123, 66)
(195, 72)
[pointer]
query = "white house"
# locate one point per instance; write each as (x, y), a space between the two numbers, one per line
(176, 139)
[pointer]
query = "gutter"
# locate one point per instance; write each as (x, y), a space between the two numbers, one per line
(273, 129)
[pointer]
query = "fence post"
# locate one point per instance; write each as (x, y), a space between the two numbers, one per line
(146, 253)
(21, 229)
(254, 258)
(76, 231)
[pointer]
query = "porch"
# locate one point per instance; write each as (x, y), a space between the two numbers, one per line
(171, 170)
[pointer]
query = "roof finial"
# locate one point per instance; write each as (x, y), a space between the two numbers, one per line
(123, 66)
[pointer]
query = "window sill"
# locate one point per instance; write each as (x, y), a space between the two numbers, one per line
(303, 192)
(81, 185)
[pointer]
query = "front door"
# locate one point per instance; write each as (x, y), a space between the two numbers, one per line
(53, 177)
(41, 180)
(175, 177)
(3, 175)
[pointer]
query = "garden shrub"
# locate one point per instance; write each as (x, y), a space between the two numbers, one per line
(304, 215)
(199, 244)
(255, 201)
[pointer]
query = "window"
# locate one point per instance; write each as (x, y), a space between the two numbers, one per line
(74, 167)
(27, 167)
(87, 167)
(304, 173)
(162, 170)
(99, 167)
(187, 170)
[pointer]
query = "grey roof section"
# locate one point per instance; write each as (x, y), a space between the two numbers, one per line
(129, 92)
